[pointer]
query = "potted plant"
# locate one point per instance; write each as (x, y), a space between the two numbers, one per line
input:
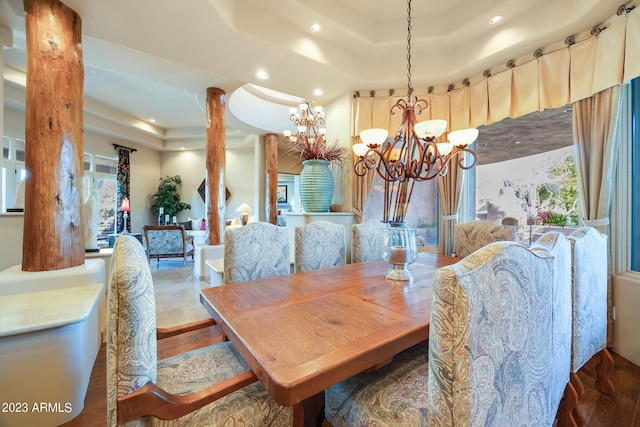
(168, 198)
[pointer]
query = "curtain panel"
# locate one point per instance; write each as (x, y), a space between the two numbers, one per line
(122, 180)
(596, 134)
(556, 78)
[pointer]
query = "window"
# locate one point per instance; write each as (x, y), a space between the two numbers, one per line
(532, 183)
(100, 175)
(635, 174)
(13, 171)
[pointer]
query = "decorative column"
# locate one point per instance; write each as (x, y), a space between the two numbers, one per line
(271, 154)
(53, 237)
(215, 199)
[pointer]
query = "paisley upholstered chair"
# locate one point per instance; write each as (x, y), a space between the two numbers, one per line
(144, 391)
(167, 241)
(367, 239)
(589, 295)
(558, 246)
(256, 251)
(319, 244)
(489, 353)
(471, 236)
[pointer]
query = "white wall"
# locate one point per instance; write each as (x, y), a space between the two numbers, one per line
(338, 120)
(240, 179)
(190, 165)
(626, 294)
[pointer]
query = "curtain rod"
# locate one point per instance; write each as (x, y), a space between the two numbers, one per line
(116, 146)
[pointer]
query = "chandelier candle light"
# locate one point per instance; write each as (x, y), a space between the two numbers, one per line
(414, 154)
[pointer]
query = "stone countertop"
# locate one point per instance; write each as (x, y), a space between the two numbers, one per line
(35, 311)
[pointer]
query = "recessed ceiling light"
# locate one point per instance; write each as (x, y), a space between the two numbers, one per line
(152, 120)
(182, 148)
(317, 92)
(262, 75)
(495, 19)
(517, 142)
(316, 28)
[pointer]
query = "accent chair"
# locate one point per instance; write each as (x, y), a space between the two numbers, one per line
(167, 241)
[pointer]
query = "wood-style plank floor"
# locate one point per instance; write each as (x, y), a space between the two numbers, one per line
(177, 302)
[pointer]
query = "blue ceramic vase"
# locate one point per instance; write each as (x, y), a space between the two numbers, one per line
(316, 186)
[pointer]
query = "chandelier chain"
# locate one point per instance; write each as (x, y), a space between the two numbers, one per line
(409, 86)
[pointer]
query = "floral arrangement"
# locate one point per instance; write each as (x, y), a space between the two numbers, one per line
(552, 218)
(318, 149)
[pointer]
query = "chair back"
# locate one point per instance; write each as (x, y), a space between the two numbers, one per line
(131, 323)
(319, 244)
(256, 251)
(368, 240)
(471, 236)
(509, 220)
(165, 241)
(490, 339)
(589, 281)
(558, 246)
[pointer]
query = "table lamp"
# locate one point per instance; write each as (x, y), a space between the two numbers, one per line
(244, 210)
(125, 208)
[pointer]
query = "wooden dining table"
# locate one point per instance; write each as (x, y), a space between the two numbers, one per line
(304, 332)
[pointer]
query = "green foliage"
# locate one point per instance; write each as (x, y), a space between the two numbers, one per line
(168, 197)
(558, 201)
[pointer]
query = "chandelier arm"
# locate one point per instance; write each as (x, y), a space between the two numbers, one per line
(461, 159)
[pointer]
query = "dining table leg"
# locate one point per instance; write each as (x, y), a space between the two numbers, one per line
(314, 410)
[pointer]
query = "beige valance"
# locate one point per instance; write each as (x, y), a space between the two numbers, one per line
(562, 75)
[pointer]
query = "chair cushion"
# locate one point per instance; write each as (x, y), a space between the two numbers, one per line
(394, 395)
(195, 370)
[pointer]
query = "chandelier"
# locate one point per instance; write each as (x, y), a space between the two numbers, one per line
(414, 154)
(306, 121)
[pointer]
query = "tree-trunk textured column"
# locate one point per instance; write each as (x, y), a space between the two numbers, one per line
(271, 154)
(216, 155)
(53, 236)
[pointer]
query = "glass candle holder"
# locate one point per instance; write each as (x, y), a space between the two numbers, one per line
(400, 250)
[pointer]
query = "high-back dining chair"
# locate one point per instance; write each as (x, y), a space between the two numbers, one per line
(489, 353)
(368, 240)
(256, 251)
(212, 383)
(557, 245)
(319, 244)
(471, 236)
(589, 305)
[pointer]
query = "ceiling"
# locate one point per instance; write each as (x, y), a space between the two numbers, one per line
(155, 58)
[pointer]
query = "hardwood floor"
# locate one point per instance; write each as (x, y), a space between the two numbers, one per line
(177, 302)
